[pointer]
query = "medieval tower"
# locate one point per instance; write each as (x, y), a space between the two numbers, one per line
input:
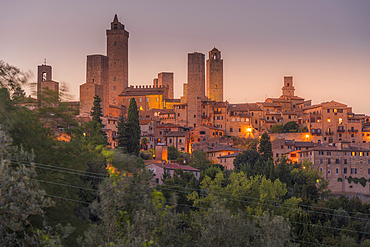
(215, 76)
(107, 76)
(196, 87)
(117, 51)
(43, 74)
(288, 89)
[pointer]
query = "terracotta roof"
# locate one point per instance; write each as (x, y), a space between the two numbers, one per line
(168, 125)
(171, 166)
(228, 156)
(176, 133)
(224, 148)
(144, 122)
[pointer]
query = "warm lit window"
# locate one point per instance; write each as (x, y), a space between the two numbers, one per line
(328, 120)
(335, 110)
(340, 120)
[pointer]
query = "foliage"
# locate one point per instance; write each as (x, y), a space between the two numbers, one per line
(144, 142)
(265, 147)
(253, 144)
(291, 127)
(96, 110)
(13, 79)
(199, 160)
(130, 138)
(146, 155)
(277, 128)
(173, 153)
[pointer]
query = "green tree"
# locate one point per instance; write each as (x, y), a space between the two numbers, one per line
(198, 159)
(96, 110)
(277, 128)
(291, 127)
(253, 144)
(144, 142)
(265, 148)
(131, 132)
(173, 153)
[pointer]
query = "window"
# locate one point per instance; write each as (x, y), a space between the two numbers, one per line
(157, 180)
(160, 132)
(328, 171)
(114, 88)
(115, 42)
(240, 130)
(353, 170)
(128, 100)
(320, 169)
(328, 153)
(328, 120)
(157, 99)
(277, 155)
(328, 110)
(114, 79)
(140, 99)
(345, 170)
(337, 161)
(231, 129)
(282, 146)
(180, 140)
(320, 161)
(233, 120)
(345, 161)
(202, 132)
(329, 161)
(337, 170)
(353, 154)
(114, 101)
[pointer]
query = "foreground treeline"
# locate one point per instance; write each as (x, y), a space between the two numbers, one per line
(55, 193)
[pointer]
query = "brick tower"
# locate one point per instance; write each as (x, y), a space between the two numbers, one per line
(117, 51)
(288, 89)
(165, 79)
(196, 87)
(215, 76)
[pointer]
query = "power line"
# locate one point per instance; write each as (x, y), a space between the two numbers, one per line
(68, 199)
(77, 187)
(59, 167)
(254, 198)
(259, 203)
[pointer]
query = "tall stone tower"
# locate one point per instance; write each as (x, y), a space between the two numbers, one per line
(288, 89)
(215, 76)
(165, 79)
(117, 51)
(196, 87)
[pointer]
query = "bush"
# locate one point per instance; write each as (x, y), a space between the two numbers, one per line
(146, 155)
(339, 180)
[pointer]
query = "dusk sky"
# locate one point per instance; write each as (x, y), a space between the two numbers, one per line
(323, 44)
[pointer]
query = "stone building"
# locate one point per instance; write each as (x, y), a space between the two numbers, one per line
(45, 82)
(107, 76)
(215, 74)
(195, 88)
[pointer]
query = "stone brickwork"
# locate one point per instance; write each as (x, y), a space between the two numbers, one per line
(117, 51)
(87, 93)
(215, 76)
(288, 89)
(97, 72)
(165, 79)
(196, 87)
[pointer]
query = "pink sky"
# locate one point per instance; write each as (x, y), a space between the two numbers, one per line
(324, 45)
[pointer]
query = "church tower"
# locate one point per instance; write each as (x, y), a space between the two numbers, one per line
(215, 76)
(117, 51)
(288, 89)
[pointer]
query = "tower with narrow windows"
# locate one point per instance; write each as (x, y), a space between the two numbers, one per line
(215, 76)
(117, 51)
(288, 89)
(43, 74)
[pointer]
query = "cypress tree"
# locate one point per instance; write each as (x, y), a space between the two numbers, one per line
(131, 132)
(96, 111)
(265, 148)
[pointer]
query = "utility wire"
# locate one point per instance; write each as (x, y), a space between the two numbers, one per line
(68, 199)
(259, 203)
(72, 186)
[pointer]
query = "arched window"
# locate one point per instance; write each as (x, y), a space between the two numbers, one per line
(114, 88)
(114, 79)
(44, 76)
(233, 120)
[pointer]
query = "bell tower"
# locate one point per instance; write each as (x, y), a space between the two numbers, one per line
(288, 89)
(117, 51)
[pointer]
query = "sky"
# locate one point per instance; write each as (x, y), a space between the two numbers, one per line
(323, 44)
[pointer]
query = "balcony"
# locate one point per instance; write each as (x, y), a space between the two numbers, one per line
(329, 132)
(341, 130)
(353, 130)
(316, 131)
(217, 112)
(204, 117)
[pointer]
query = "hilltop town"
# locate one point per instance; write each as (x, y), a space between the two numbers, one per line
(329, 134)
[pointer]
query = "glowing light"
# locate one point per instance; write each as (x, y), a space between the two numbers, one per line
(307, 136)
(141, 108)
(304, 167)
(249, 130)
(328, 120)
(317, 181)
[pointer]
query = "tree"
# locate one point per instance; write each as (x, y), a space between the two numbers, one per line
(131, 131)
(173, 153)
(291, 127)
(253, 144)
(144, 142)
(12, 79)
(96, 110)
(277, 128)
(265, 148)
